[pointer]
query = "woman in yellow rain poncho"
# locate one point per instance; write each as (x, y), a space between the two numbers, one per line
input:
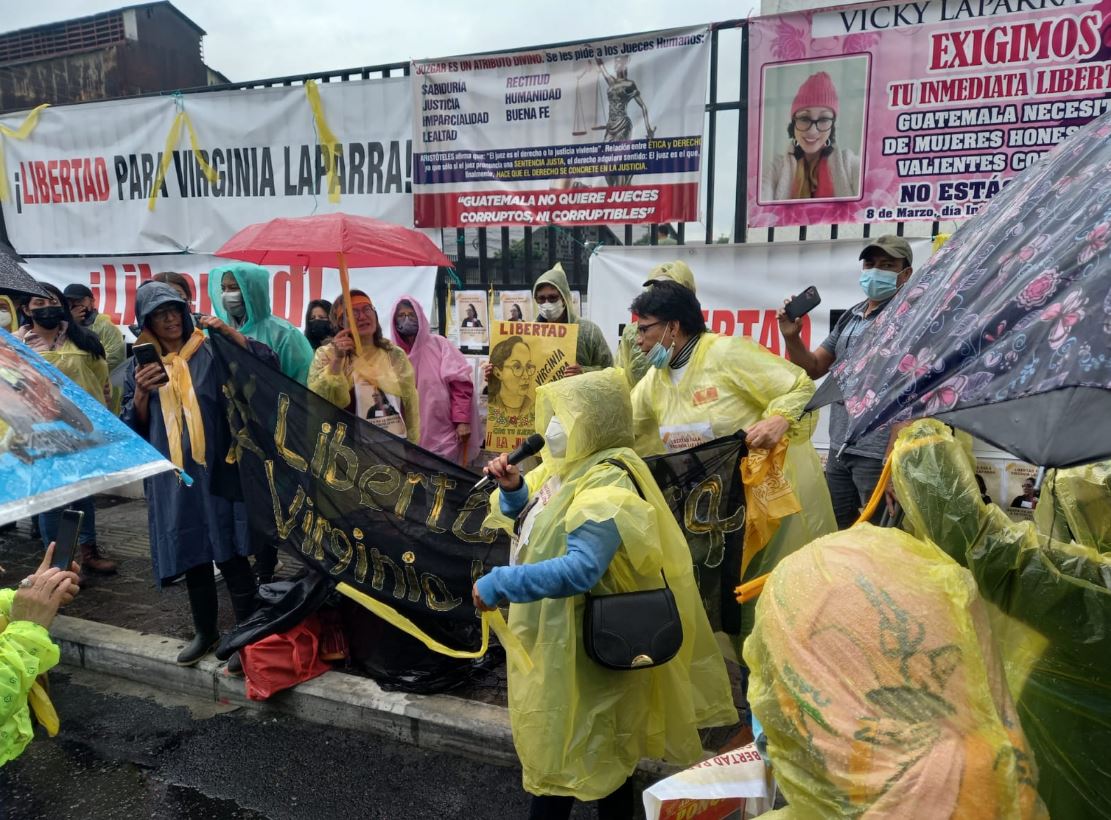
(580, 728)
(703, 386)
(629, 355)
(379, 385)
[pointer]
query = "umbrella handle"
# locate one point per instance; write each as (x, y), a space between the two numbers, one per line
(345, 288)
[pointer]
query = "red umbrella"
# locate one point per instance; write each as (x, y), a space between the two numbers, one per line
(334, 241)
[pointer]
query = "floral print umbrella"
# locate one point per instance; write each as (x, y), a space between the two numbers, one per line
(1006, 331)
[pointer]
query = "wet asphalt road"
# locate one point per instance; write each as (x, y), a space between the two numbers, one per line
(122, 754)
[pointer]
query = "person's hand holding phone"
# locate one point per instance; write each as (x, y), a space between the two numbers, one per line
(149, 377)
(41, 594)
(790, 328)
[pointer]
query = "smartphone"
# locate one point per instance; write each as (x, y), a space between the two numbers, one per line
(147, 353)
(803, 304)
(65, 540)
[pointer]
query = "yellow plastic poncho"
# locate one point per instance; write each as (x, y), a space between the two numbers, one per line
(579, 728)
(26, 652)
(388, 369)
(729, 384)
(879, 689)
(1075, 505)
(115, 351)
(83, 369)
(629, 357)
(1050, 612)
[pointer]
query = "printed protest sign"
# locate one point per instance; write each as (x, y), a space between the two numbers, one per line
(472, 318)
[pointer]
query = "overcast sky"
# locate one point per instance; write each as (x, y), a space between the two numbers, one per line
(252, 39)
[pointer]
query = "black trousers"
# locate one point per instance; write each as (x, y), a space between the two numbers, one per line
(620, 805)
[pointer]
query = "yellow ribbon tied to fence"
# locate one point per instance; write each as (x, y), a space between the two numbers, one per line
(328, 140)
(20, 133)
(172, 140)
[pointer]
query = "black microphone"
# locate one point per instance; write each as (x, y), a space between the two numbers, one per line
(529, 447)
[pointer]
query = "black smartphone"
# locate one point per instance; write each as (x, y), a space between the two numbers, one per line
(65, 540)
(147, 353)
(803, 304)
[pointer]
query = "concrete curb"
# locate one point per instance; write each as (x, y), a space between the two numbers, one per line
(440, 723)
(435, 722)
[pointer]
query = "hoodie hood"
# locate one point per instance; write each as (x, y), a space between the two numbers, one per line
(558, 279)
(676, 271)
(153, 295)
(254, 284)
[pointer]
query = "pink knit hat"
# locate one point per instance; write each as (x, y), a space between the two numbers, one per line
(816, 92)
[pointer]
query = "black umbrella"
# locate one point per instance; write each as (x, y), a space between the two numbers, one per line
(13, 277)
(1006, 331)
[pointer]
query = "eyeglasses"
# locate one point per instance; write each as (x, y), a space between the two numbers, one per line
(363, 312)
(516, 368)
(642, 329)
(165, 314)
(544, 300)
(804, 123)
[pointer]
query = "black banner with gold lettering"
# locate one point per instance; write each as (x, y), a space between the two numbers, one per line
(401, 524)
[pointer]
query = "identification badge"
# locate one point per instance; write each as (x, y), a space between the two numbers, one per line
(678, 437)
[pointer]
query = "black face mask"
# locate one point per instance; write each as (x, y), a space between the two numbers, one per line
(49, 317)
(317, 330)
(90, 317)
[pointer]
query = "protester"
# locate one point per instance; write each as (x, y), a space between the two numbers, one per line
(178, 282)
(813, 166)
(348, 380)
(79, 355)
(579, 728)
(82, 308)
(629, 357)
(179, 408)
(852, 471)
(704, 386)
(445, 383)
(26, 651)
(9, 314)
(1029, 498)
(553, 299)
(318, 327)
(240, 295)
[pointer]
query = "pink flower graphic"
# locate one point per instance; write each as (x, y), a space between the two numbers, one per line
(858, 43)
(858, 406)
(1037, 292)
(1064, 315)
(1096, 241)
(790, 43)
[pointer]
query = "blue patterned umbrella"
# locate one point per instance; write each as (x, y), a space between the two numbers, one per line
(1006, 331)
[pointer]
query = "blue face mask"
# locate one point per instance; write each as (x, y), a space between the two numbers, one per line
(659, 356)
(879, 284)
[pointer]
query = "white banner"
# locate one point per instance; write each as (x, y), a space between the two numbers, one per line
(80, 182)
(587, 133)
(113, 281)
(741, 287)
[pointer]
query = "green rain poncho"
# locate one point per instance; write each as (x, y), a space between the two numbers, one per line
(1051, 613)
(288, 343)
(629, 357)
(580, 728)
(592, 352)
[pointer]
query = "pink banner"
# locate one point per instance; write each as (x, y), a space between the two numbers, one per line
(915, 111)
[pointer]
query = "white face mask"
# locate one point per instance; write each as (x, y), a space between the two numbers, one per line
(556, 438)
(5, 319)
(552, 310)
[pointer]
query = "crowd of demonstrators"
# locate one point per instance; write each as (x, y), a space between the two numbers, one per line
(853, 470)
(26, 651)
(83, 312)
(78, 354)
(579, 728)
(445, 384)
(629, 355)
(377, 384)
(318, 323)
(178, 406)
(240, 295)
(552, 295)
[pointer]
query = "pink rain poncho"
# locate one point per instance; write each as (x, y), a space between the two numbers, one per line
(445, 384)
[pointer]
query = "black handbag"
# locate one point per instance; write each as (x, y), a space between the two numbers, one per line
(632, 630)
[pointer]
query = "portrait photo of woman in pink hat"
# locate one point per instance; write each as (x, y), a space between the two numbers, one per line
(817, 161)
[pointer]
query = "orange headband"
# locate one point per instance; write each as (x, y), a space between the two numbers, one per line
(359, 299)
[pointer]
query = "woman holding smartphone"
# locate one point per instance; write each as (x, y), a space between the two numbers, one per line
(177, 405)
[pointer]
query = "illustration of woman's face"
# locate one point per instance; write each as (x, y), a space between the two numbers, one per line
(811, 127)
(517, 373)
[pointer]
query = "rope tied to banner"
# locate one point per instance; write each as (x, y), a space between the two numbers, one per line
(328, 140)
(21, 133)
(173, 138)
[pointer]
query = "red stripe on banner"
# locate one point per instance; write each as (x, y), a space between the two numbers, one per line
(676, 202)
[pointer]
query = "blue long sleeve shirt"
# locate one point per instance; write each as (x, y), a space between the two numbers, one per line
(590, 548)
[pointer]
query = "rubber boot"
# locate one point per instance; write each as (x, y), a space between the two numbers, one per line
(204, 604)
(244, 602)
(93, 563)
